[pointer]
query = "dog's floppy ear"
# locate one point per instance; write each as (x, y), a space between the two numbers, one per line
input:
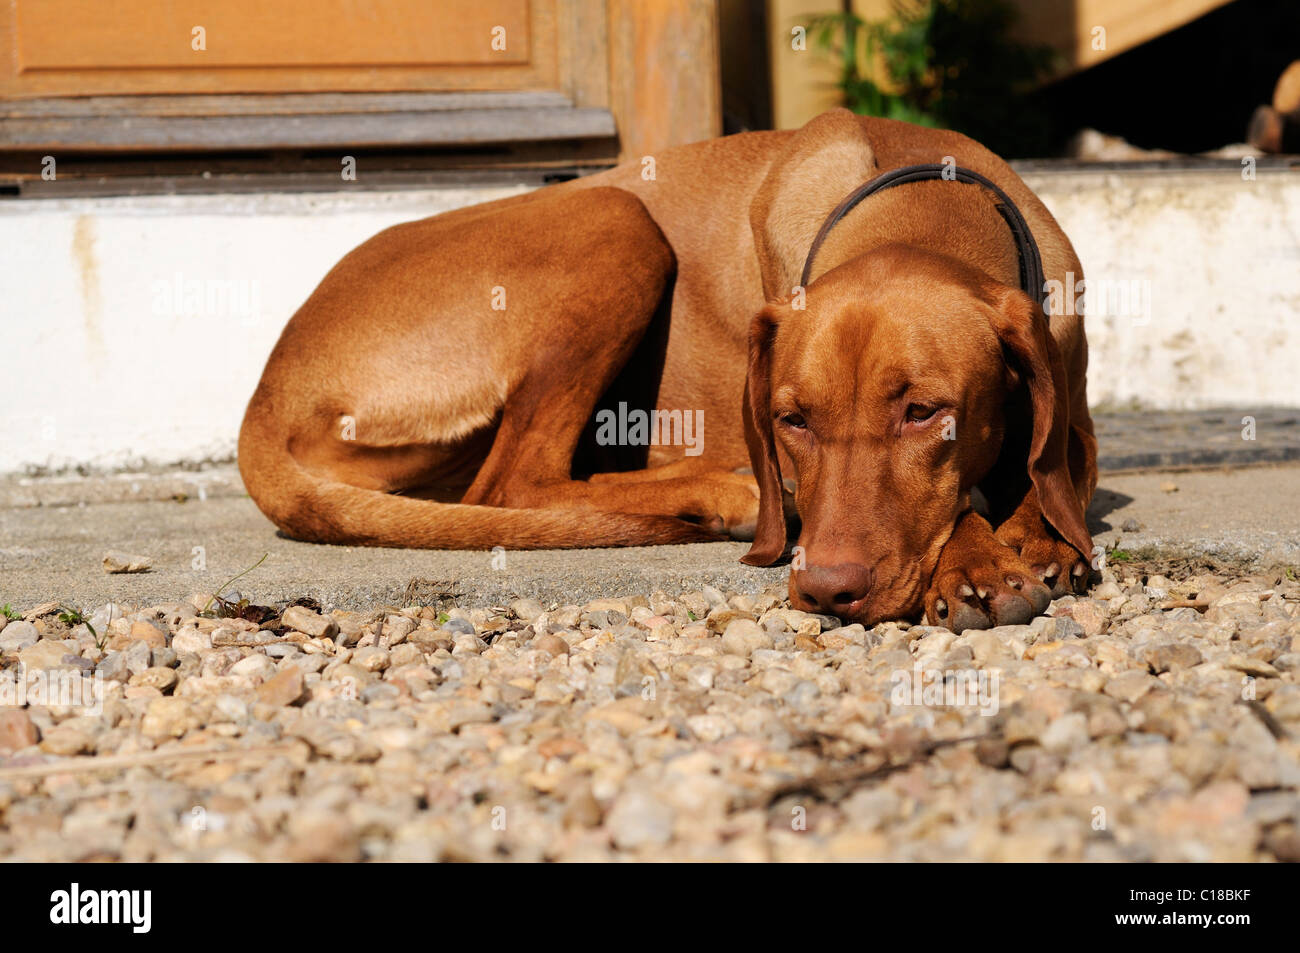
(1024, 331)
(770, 534)
(818, 165)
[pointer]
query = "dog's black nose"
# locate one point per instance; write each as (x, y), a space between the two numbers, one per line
(834, 590)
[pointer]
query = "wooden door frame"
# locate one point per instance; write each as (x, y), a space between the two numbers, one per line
(645, 71)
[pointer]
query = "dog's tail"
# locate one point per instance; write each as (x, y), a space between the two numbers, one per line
(307, 507)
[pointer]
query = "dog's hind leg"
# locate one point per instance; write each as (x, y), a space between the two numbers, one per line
(597, 317)
(397, 378)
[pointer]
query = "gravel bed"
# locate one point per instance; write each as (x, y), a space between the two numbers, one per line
(1153, 720)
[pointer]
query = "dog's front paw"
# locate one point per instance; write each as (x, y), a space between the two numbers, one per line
(726, 503)
(1058, 564)
(980, 582)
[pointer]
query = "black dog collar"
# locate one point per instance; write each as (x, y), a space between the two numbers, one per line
(1031, 262)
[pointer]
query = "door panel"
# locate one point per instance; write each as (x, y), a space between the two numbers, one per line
(75, 34)
(115, 47)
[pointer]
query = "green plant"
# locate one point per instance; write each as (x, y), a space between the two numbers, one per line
(226, 609)
(1119, 556)
(942, 63)
(71, 617)
(901, 44)
(9, 612)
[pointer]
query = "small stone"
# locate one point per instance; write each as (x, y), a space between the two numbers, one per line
(371, 658)
(163, 658)
(561, 747)
(302, 619)
(639, 819)
(16, 730)
(138, 655)
(18, 636)
(806, 643)
(468, 645)
(1171, 657)
(744, 636)
(69, 738)
(1287, 662)
(283, 689)
(168, 717)
(350, 630)
(255, 666)
(113, 667)
(160, 678)
(1251, 666)
(1107, 591)
(1131, 525)
(148, 633)
(609, 605)
(526, 610)
(191, 640)
(41, 611)
(1129, 686)
(551, 643)
(710, 728)
(1168, 486)
(718, 619)
(1090, 614)
(992, 752)
(349, 673)
(46, 654)
(116, 561)
(987, 646)
(321, 837)
(457, 627)
(1066, 733)
(1063, 627)
(405, 654)
(397, 628)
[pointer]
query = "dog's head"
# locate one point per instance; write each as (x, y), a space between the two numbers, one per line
(886, 394)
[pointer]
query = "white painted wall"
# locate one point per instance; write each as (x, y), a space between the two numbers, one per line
(102, 370)
(1220, 257)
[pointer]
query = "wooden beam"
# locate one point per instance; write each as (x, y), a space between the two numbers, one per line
(1088, 32)
(303, 121)
(665, 81)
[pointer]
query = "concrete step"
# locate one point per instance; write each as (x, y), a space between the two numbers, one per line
(1128, 440)
(122, 307)
(1246, 519)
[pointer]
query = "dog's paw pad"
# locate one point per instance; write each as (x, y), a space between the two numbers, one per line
(985, 597)
(1063, 576)
(1013, 609)
(1055, 562)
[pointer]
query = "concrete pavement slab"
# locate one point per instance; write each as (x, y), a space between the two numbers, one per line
(1247, 518)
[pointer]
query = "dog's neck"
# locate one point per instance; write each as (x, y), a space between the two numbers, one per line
(937, 216)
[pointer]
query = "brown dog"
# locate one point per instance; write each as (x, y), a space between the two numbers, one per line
(440, 388)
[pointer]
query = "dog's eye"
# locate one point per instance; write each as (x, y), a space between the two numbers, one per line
(794, 420)
(919, 412)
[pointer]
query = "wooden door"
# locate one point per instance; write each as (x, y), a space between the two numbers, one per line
(273, 74)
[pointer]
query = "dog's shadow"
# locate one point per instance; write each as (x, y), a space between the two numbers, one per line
(1105, 502)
